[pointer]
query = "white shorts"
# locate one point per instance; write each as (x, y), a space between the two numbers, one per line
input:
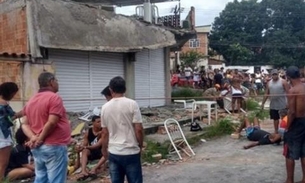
(5, 142)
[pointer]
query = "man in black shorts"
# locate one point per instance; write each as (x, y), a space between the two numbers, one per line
(91, 148)
(256, 135)
(276, 90)
(294, 137)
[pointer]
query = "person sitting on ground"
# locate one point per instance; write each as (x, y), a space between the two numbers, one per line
(256, 135)
(19, 166)
(91, 148)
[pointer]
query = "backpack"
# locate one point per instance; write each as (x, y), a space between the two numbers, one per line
(195, 127)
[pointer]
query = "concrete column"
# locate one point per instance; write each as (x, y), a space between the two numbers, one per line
(168, 88)
(129, 62)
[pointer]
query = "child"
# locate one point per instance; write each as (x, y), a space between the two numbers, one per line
(19, 166)
(283, 121)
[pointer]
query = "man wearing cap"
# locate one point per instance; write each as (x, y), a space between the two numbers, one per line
(214, 94)
(294, 137)
(276, 90)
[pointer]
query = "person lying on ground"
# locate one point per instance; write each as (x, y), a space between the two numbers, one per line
(256, 135)
(91, 149)
(19, 166)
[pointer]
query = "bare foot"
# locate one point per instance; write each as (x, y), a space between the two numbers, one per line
(93, 171)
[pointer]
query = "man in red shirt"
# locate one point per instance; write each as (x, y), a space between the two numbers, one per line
(48, 128)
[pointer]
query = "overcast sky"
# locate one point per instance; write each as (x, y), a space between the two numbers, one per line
(206, 10)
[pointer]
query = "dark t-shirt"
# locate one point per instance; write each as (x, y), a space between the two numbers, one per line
(261, 136)
(19, 156)
(218, 79)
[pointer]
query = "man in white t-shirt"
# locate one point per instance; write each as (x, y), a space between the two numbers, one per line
(196, 77)
(259, 80)
(122, 134)
(188, 72)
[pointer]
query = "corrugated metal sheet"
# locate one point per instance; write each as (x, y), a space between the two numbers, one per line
(83, 75)
(72, 71)
(142, 74)
(157, 78)
(150, 78)
(104, 66)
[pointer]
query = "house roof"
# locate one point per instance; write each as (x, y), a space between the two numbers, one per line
(69, 25)
(122, 2)
(203, 29)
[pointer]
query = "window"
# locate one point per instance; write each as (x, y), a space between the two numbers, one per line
(194, 43)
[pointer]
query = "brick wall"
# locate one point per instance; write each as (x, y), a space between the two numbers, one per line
(215, 62)
(13, 31)
(12, 72)
(203, 49)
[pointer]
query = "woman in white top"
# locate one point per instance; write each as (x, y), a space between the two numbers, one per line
(237, 94)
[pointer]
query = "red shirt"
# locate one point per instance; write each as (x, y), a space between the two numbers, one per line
(38, 109)
(283, 122)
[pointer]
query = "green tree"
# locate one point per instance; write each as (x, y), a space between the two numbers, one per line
(191, 58)
(266, 32)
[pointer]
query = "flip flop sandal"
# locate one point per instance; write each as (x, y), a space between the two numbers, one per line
(82, 178)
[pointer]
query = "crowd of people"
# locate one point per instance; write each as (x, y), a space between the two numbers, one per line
(116, 136)
(207, 78)
(286, 91)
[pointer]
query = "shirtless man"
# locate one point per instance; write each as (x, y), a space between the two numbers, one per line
(294, 138)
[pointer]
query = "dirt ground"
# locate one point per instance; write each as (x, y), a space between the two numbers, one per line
(225, 161)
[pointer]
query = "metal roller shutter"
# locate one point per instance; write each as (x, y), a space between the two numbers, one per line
(72, 71)
(150, 78)
(83, 75)
(104, 66)
(142, 84)
(157, 78)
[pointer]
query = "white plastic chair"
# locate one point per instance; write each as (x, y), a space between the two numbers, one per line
(95, 112)
(187, 104)
(227, 101)
(177, 138)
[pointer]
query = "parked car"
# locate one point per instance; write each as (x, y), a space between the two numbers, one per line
(177, 80)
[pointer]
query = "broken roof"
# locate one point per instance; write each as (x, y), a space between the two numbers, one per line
(74, 26)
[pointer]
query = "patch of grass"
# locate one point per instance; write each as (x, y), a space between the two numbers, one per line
(5, 181)
(186, 93)
(252, 105)
(259, 114)
(220, 128)
(154, 148)
(255, 110)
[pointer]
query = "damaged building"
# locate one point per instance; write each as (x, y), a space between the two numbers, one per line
(85, 46)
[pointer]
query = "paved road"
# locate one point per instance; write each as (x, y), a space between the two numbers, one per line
(224, 161)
